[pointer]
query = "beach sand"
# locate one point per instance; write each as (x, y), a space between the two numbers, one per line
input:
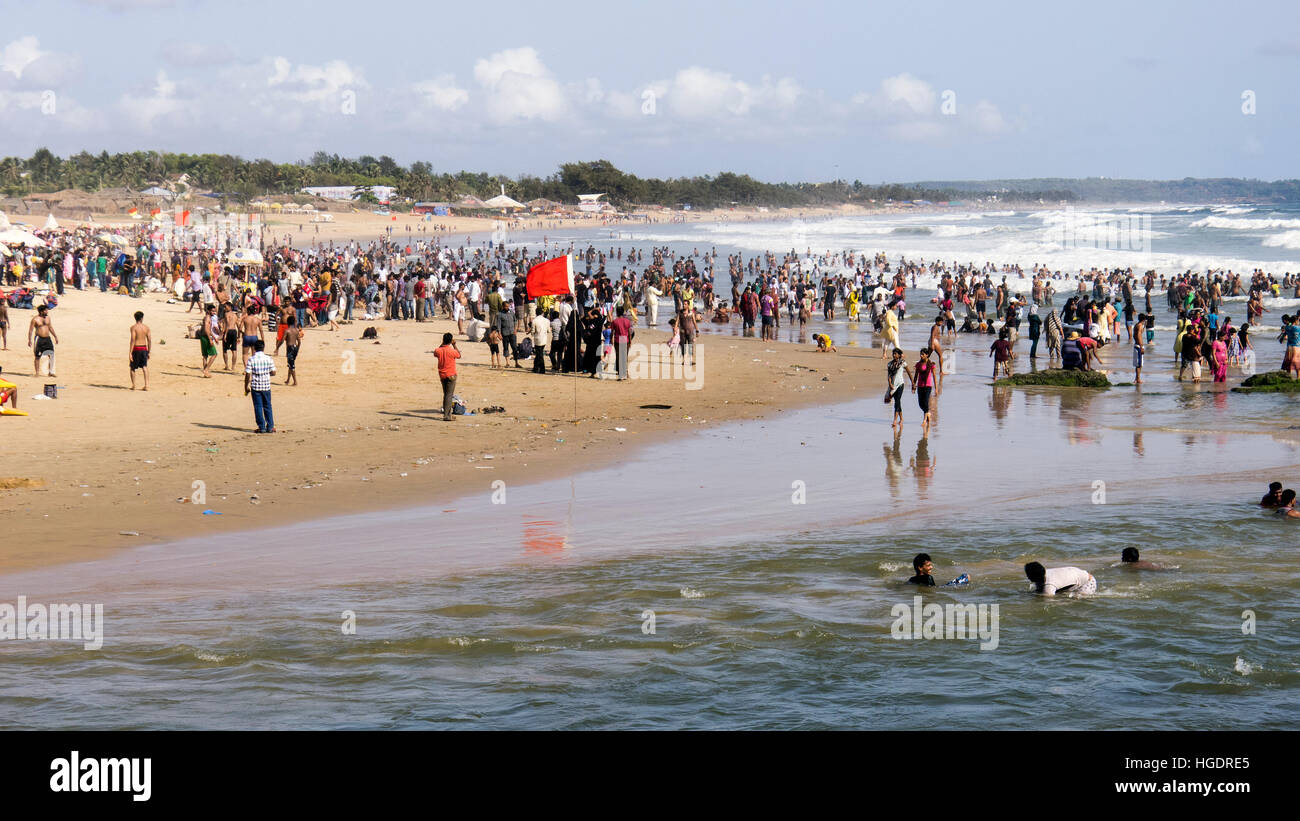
(101, 460)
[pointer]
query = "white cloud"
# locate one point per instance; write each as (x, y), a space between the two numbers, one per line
(160, 101)
(901, 94)
(313, 84)
(519, 87)
(20, 54)
(191, 53)
(988, 119)
(442, 92)
(698, 93)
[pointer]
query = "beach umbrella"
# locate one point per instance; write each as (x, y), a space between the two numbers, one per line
(14, 236)
(502, 201)
(246, 256)
(5, 251)
(110, 238)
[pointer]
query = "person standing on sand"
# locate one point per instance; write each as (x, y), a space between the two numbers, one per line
(141, 345)
(4, 323)
(889, 330)
(895, 373)
(1139, 349)
(209, 333)
(292, 342)
(42, 327)
(258, 371)
(447, 354)
(923, 386)
(251, 326)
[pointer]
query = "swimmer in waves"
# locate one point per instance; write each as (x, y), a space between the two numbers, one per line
(1050, 582)
(1130, 559)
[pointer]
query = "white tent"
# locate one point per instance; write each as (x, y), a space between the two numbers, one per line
(502, 201)
(4, 221)
(51, 224)
(15, 236)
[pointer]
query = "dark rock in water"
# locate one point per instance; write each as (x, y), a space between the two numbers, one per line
(1056, 378)
(1270, 382)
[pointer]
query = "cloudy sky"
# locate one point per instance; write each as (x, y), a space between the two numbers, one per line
(795, 90)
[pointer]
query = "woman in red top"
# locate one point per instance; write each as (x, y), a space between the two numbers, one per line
(923, 386)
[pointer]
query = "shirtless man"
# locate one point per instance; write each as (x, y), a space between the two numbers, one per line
(229, 335)
(43, 329)
(292, 342)
(4, 323)
(141, 344)
(250, 324)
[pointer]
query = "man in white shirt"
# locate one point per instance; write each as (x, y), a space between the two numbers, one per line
(1060, 580)
(541, 338)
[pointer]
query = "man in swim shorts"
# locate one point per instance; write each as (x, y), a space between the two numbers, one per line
(41, 330)
(1060, 580)
(141, 343)
(251, 326)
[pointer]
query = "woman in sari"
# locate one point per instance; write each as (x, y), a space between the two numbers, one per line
(1219, 359)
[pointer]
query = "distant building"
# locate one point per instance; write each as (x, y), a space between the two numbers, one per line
(384, 193)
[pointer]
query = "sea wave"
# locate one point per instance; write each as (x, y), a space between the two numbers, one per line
(1286, 239)
(1245, 224)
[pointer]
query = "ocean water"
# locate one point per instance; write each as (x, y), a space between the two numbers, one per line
(771, 556)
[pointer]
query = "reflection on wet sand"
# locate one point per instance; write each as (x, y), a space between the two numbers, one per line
(923, 466)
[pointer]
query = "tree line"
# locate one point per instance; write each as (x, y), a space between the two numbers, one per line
(241, 180)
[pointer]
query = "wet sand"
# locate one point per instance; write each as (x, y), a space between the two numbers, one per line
(107, 460)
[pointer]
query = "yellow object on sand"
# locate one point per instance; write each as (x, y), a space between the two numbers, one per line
(12, 412)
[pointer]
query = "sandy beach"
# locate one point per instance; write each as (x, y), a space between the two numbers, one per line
(102, 460)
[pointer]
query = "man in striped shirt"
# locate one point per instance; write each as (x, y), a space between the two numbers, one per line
(257, 381)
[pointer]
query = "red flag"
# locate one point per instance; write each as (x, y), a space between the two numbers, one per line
(555, 276)
(185, 218)
(155, 212)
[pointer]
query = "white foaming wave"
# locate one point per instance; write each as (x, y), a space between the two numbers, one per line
(1286, 239)
(891, 567)
(691, 593)
(871, 235)
(1232, 209)
(1240, 224)
(1242, 666)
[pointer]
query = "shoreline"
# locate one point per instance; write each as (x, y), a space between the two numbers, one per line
(103, 460)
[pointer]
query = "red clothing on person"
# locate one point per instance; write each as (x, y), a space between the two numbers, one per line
(622, 328)
(447, 356)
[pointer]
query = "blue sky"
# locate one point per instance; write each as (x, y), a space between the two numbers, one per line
(783, 91)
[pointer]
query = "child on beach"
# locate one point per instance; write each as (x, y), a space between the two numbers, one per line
(494, 348)
(292, 342)
(824, 344)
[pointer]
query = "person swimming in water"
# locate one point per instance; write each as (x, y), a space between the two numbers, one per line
(1286, 505)
(923, 567)
(1060, 580)
(1274, 496)
(1129, 558)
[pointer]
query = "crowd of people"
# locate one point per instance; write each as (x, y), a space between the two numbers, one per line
(482, 287)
